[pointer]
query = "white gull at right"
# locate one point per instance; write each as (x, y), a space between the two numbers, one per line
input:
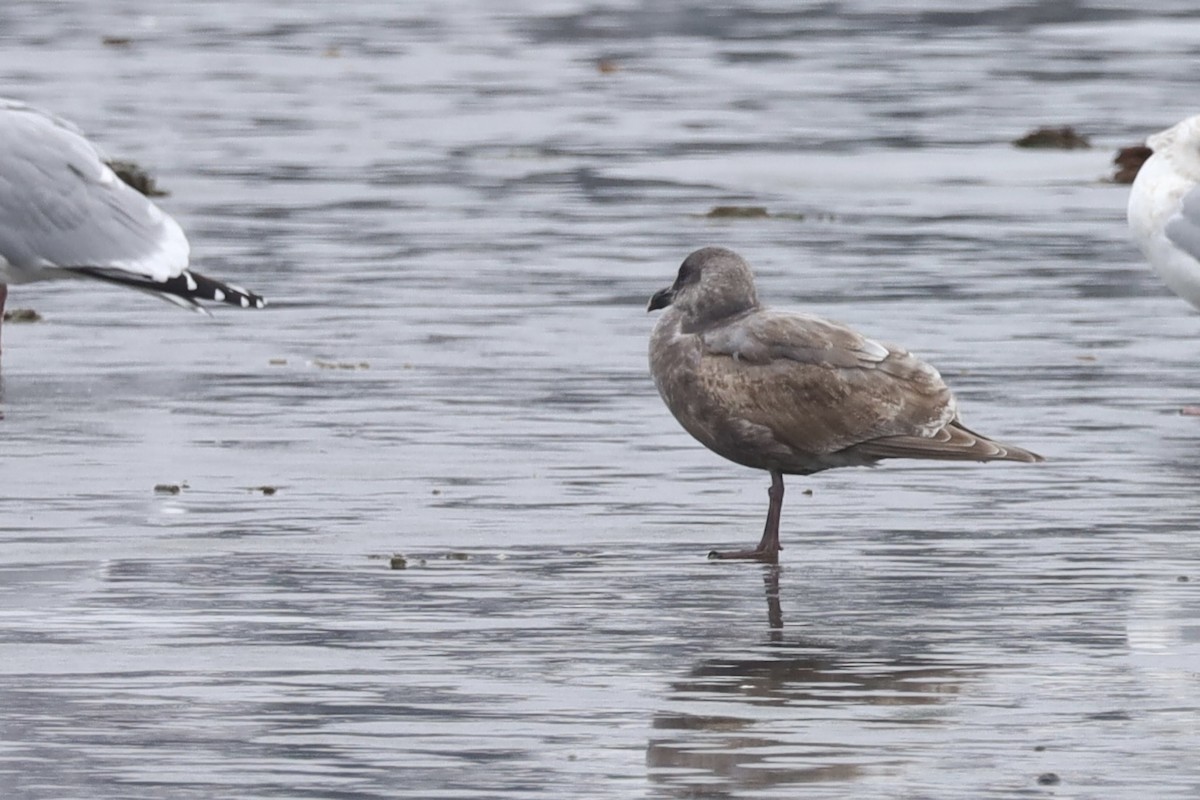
(1164, 208)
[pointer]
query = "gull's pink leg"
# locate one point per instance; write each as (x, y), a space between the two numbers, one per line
(768, 547)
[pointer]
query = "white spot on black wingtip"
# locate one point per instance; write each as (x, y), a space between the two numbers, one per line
(184, 289)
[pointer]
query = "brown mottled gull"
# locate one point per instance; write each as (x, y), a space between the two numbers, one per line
(792, 393)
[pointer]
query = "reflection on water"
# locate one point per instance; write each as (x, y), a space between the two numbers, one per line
(789, 694)
(458, 211)
(766, 719)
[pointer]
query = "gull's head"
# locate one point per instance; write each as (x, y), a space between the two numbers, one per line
(713, 283)
(1180, 145)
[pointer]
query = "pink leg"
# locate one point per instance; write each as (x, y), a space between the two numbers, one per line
(768, 547)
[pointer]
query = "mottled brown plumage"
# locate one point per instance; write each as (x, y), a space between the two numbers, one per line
(792, 393)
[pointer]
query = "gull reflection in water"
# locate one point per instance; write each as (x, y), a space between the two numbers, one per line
(792, 711)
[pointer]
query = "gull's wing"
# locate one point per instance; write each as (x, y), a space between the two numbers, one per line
(62, 206)
(820, 387)
(1183, 227)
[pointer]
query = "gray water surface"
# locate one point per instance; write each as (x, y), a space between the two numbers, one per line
(458, 217)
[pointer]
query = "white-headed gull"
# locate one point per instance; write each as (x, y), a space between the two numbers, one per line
(792, 393)
(1164, 208)
(64, 213)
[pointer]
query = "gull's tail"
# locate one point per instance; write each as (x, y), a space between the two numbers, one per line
(955, 442)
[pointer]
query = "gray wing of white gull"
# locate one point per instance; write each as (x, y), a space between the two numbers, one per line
(1183, 227)
(62, 206)
(63, 212)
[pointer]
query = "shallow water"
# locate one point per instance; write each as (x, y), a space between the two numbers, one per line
(458, 218)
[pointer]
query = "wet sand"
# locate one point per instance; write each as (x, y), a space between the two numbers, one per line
(460, 204)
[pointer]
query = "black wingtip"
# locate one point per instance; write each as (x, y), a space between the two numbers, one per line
(204, 288)
(187, 288)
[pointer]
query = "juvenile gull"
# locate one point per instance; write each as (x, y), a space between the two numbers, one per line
(791, 393)
(65, 214)
(1164, 208)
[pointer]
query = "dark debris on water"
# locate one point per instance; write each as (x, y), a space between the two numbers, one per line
(1129, 162)
(135, 176)
(22, 315)
(323, 364)
(1049, 138)
(759, 212)
(401, 561)
(738, 212)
